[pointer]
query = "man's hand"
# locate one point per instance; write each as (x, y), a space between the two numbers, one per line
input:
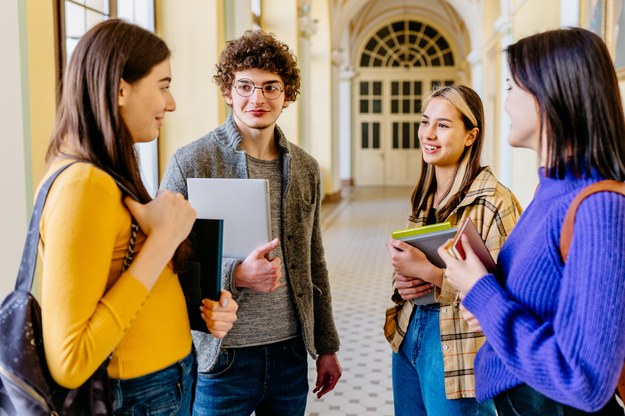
(328, 373)
(257, 273)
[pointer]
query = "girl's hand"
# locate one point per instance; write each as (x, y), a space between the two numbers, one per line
(411, 287)
(219, 316)
(470, 319)
(462, 274)
(168, 217)
(410, 261)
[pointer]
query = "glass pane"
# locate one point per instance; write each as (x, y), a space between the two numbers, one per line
(376, 135)
(364, 106)
(395, 135)
(394, 106)
(417, 144)
(377, 62)
(365, 135)
(70, 45)
(417, 88)
(406, 87)
(377, 88)
(94, 18)
(405, 135)
(364, 88)
(74, 20)
(364, 60)
(394, 88)
(449, 82)
(99, 5)
(377, 106)
(406, 106)
(417, 105)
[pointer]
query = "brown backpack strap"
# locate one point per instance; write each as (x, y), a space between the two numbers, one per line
(567, 234)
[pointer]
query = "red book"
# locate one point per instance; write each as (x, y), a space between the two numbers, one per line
(477, 244)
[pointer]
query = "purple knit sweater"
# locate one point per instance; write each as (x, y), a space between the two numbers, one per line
(558, 328)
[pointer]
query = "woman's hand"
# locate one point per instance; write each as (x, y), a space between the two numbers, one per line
(168, 217)
(470, 319)
(462, 274)
(410, 261)
(219, 316)
(411, 287)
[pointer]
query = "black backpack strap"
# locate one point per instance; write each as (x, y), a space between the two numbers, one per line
(29, 255)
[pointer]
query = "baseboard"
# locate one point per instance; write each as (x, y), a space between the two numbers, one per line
(332, 197)
(347, 182)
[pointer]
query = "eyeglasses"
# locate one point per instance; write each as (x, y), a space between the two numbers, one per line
(245, 88)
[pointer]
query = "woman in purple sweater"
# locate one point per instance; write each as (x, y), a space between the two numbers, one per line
(555, 331)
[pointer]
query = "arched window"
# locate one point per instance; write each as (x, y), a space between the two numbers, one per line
(407, 43)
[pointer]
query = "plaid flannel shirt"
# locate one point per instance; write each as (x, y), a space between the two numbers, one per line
(494, 210)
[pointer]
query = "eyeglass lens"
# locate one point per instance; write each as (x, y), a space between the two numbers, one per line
(245, 88)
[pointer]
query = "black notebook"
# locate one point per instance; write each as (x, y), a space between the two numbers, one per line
(201, 278)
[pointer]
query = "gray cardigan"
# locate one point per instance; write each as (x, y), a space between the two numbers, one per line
(218, 155)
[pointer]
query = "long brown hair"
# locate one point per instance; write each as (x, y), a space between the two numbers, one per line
(570, 74)
(469, 104)
(88, 118)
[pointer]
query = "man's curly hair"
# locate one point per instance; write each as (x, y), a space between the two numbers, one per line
(256, 49)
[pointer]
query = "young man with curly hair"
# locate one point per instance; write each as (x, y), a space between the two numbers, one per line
(285, 308)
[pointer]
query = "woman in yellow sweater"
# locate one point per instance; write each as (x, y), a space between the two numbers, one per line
(115, 94)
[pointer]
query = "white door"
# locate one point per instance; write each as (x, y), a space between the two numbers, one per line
(400, 62)
(388, 112)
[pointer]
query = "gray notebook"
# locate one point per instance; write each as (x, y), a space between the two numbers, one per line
(243, 204)
(429, 244)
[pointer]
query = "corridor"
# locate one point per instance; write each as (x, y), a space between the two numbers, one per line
(354, 233)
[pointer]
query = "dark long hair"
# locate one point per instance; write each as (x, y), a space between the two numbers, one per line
(470, 106)
(571, 75)
(88, 116)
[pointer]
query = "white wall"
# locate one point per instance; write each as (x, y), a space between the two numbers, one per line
(14, 206)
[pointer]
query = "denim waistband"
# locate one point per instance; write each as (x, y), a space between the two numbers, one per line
(430, 307)
(179, 367)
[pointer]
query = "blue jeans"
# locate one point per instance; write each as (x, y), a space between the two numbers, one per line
(165, 392)
(268, 379)
(525, 401)
(418, 374)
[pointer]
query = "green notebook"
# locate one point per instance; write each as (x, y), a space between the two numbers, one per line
(411, 232)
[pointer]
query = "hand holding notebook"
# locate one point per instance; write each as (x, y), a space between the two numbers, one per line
(454, 248)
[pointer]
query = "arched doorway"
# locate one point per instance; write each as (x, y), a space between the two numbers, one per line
(399, 63)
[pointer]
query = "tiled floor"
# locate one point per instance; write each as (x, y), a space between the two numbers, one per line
(355, 232)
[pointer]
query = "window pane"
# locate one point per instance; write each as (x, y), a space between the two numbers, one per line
(377, 88)
(100, 5)
(74, 20)
(417, 88)
(394, 88)
(395, 135)
(394, 106)
(405, 135)
(417, 145)
(364, 88)
(377, 106)
(406, 106)
(376, 135)
(406, 87)
(364, 106)
(365, 135)
(94, 18)
(417, 105)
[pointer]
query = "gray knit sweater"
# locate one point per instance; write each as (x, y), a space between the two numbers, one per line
(218, 155)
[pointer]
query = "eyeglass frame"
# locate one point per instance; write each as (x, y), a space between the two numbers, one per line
(255, 87)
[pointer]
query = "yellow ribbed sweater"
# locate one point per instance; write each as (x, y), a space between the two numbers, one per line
(88, 308)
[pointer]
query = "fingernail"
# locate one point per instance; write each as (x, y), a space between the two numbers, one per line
(224, 302)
